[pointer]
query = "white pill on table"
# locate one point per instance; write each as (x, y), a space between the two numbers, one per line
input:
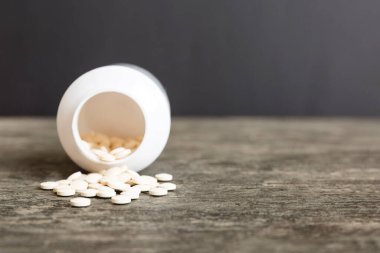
(145, 180)
(164, 177)
(124, 177)
(104, 180)
(75, 176)
(106, 194)
(80, 202)
(65, 192)
(95, 186)
(88, 193)
(158, 191)
(93, 178)
(133, 193)
(48, 185)
(117, 185)
(105, 188)
(63, 182)
(79, 185)
(120, 199)
(143, 187)
(124, 168)
(114, 171)
(55, 189)
(168, 186)
(133, 173)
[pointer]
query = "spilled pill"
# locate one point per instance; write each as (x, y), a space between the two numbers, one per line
(120, 199)
(158, 192)
(48, 185)
(80, 202)
(164, 177)
(168, 186)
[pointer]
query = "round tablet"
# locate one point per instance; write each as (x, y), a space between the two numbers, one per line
(79, 185)
(117, 185)
(143, 187)
(158, 191)
(65, 192)
(58, 187)
(80, 202)
(133, 193)
(64, 182)
(75, 176)
(89, 193)
(145, 180)
(164, 177)
(93, 178)
(105, 194)
(168, 186)
(48, 185)
(121, 199)
(95, 186)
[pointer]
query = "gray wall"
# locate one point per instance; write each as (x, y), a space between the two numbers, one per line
(214, 57)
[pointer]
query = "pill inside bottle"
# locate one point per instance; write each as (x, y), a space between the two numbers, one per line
(111, 127)
(112, 116)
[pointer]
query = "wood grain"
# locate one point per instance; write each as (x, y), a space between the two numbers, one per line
(244, 185)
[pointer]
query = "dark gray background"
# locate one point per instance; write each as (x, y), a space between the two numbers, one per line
(214, 57)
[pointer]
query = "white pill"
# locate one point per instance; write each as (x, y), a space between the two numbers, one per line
(133, 193)
(124, 168)
(121, 199)
(65, 192)
(117, 185)
(145, 180)
(93, 178)
(168, 186)
(80, 202)
(107, 157)
(117, 150)
(114, 171)
(105, 180)
(122, 154)
(143, 187)
(94, 186)
(106, 194)
(79, 185)
(104, 149)
(88, 193)
(133, 174)
(158, 191)
(105, 188)
(48, 185)
(164, 177)
(75, 176)
(86, 145)
(136, 188)
(63, 182)
(124, 177)
(55, 189)
(98, 152)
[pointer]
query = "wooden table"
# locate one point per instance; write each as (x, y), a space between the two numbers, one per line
(244, 185)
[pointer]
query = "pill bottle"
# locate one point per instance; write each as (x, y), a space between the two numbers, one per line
(120, 100)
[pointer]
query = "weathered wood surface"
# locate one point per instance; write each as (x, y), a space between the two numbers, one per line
(244, 185)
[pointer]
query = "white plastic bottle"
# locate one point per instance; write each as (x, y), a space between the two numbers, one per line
(117, 100)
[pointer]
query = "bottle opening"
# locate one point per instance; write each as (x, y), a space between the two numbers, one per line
(109, 127)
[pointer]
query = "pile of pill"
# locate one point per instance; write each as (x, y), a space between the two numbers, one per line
(109, 149)
(119, 184)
